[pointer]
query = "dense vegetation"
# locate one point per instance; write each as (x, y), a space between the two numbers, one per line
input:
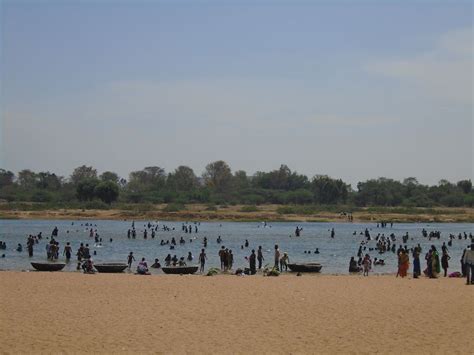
(218, 185)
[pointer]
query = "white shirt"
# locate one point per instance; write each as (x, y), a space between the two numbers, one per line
(469, 257)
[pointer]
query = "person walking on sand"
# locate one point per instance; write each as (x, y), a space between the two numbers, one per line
(202, 260)
(260, 257)
(277, 257)
(130, 258)
(468, 260)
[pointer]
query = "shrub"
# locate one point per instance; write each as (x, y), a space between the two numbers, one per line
(96, 205)
(213, 271)
(250, 208)
(173, 207)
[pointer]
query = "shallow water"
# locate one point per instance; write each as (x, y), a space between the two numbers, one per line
(334, 253)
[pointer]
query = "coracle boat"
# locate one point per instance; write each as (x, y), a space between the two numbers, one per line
(110, 267)
(177, 270)
(307, 267)
(48, 266)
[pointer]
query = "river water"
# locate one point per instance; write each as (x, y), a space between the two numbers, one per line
(334, 252)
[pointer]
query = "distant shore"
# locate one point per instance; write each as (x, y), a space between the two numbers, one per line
(242, 213)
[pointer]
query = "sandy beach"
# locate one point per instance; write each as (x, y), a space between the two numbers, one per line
(199, 212)
(76, 313)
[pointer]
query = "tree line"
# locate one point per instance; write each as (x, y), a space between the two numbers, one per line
(219, 185)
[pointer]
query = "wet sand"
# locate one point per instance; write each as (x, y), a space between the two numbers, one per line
(76, 313)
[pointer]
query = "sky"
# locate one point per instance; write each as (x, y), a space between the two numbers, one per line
(352, 89)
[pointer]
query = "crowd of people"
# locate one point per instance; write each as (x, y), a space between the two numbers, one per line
(436, 263)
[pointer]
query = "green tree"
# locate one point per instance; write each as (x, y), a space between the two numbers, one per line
(48, 181)
(82, 173)
(109, 176)
(85, 190)
(6, 178)
(329, 191)
(240, 180)
(465, 186)
(218, 176)
(151, 177)
(107, 191)
(182, 179)
(27, 179)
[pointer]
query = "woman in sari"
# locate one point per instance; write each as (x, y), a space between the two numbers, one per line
(403, 263)
(435, 264)
(416, 263)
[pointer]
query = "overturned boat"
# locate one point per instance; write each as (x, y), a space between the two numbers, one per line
(305, 267)
(48, 266)
(180, 270)
(110, 267)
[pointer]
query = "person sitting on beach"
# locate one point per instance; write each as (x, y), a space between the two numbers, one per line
(88, 266)
(156, 264)
(353, 267)
(142, 268)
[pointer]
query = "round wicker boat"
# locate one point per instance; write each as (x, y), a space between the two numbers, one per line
(48, 266)
(180, 269)
(110, 267)
(306, 267)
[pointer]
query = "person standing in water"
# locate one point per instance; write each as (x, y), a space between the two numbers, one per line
(130, 259)
(284, 260)
(416, 263)
(253, 263)
(277, 257)
(366, 263)
(260, 257)
(444, 261)
(67, 251)
(202, 260)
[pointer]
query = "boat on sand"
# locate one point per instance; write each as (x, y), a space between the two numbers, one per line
(110, 267)
(180, 269)
(48, 266)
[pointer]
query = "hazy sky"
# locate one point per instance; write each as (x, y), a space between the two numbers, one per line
(355, 90)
